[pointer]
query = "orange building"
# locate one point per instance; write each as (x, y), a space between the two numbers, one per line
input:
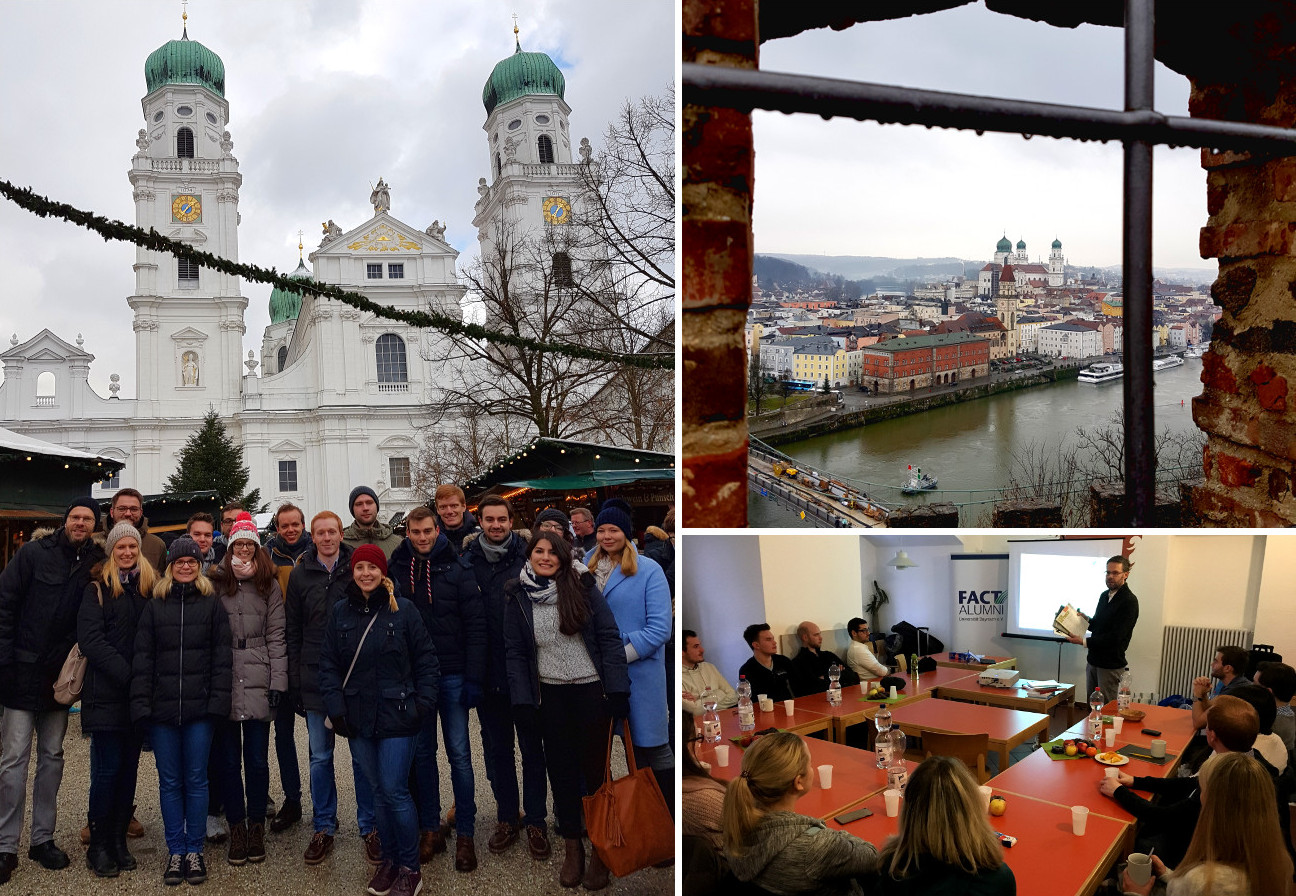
(903, 365)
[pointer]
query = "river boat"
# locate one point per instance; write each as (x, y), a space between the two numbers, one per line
(1102, 373)
(1196, 351)
(917, 481)
(1167, 362)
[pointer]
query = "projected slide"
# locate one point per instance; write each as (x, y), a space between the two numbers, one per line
(1044, 575)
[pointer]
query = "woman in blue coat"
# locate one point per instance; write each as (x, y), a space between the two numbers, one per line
(639, 596)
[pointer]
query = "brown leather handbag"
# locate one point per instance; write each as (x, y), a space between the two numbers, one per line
(71, 678)
(627, 818)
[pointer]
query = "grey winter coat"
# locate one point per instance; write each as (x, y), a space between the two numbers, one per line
(793, 853)
(259, 649)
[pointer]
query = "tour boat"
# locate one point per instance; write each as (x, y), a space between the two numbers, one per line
(1196, 351)
(917, 481)
(1167, 362)
(1102, 373)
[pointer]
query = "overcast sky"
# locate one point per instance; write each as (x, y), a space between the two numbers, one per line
(844, 187)
(325, 97)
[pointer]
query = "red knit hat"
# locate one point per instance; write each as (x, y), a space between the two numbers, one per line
(371, 553)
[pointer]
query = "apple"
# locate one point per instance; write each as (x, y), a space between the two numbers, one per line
(1071, 749)
(998, 805)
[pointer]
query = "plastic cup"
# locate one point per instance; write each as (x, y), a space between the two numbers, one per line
(865, 687)
(1110, 736)
(722, 755)
(766, 704)
(1158, 749)
(1111, 772)
(1139, 866)
(986, 792)
(892, 798)
(893, 692)
(788, 706)
(1118, 722)
(825, 777)
(1079, 818)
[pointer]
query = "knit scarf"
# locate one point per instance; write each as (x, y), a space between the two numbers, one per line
(421, 565)
(541, 589)
(494, 552)
(243, 569)
(603, 570)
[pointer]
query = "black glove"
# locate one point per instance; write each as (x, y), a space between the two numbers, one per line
(340, 726)
(299, 704)
(274, 697)
(143, 728)
(619, 705)
(426, 708)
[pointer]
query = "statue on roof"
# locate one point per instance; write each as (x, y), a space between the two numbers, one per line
(436, 230)
(380, 198)
(142, 141)
(585, 150)
(331, 231)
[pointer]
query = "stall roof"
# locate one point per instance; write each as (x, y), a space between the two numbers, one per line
(21, 444)
(565, 464)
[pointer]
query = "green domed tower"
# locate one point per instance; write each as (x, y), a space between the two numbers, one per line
(522, 74)
(1004, 244)
(184, 61)
(286, 304)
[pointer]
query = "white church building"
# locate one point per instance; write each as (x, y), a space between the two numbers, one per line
(335, 398)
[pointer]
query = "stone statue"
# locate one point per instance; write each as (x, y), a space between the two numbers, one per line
(380, 198)
(227, 143)
(585, 150)
(482, 189)
(189, 368)
(142, 141)
(511, 147)
(436, 230)
(251, 363)
(331, 231)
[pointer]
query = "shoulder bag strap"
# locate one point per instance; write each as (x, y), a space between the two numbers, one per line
(351, 668)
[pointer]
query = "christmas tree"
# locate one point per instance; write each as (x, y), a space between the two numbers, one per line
(211, 461)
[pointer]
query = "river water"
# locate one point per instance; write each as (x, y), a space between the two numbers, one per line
(969, 445)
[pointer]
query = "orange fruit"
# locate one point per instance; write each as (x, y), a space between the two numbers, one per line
(1091, 751)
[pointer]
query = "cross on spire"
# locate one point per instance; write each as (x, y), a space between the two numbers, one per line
(184, 18)
(516, 41)
(300, 245)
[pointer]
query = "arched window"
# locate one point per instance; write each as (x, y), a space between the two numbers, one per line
(545, 147)
(390, 350)
(499, 169)
(45, 389)
(184, 144)
(281, 357)
(562, 269)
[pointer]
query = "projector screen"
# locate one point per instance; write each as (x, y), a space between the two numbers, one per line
(1044, 575)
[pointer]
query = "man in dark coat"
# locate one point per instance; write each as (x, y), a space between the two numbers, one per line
(427, 570)
(289, 542)
(810, 666)
(453, 518)
(128, 506)
(497, 557)
(1110, 631)
(40, 595)
(768, 671)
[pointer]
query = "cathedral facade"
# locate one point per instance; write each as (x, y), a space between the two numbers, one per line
(336, 396)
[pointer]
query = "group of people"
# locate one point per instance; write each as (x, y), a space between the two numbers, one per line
(196, 650)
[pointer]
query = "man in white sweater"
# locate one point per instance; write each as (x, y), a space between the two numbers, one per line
(696, 676)
(859, 656)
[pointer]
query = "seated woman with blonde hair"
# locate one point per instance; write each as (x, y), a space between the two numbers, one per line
(945, 844)
(1237, 847)
(769, 844)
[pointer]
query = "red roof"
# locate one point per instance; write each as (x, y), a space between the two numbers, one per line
(1007, 275)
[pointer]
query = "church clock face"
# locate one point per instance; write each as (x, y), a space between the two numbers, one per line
(186, 209)
(557, 210)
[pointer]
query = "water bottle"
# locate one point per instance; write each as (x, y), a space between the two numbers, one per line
(746, 712)
(1095, 716)
(834, 685)
(710, 717)
(897, 774)
(1125, 695)
(883, 742)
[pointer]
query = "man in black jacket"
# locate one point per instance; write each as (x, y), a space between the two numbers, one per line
(453, 518)
(40, 594)
(497, 556)
(768, 672)
(428, 571)
(1110, 631)
(810, 666)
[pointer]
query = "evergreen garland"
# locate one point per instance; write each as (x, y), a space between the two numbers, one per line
(431, 320)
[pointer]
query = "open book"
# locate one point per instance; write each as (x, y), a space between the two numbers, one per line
(1070, 622)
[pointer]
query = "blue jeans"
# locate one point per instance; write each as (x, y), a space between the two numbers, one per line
(322, 784)
(427, 778)
(114, 771)
(247, 743)
(497, 729)
(386, 763)
(285, 729)
(181, 753)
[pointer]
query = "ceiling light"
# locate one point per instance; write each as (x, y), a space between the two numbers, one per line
(901, 561)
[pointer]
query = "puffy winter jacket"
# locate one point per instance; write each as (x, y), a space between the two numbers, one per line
(394, 682)
(40, 595)
(312, 592)
(258, 647)
(182, 666)
(106, 628)
(380, 534)
(444, 590)
(491, 579)
(467, 526)
(600, 633)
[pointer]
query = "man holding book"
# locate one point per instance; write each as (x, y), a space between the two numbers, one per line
(1110, 631)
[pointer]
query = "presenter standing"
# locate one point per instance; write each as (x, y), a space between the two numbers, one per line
(1110, 630)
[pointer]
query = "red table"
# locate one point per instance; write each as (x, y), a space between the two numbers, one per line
(1011, 698)
(1048, 858)
(802, 721)
(855, 775)
(854, 710)
(991, 662)
(1007, 728)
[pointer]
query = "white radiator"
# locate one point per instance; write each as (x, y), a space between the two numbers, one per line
(1187, 652)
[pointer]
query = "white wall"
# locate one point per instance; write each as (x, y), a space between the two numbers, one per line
(1275, 622)
(722, 595)
(812, 577)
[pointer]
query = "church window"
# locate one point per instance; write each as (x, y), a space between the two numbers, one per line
(400, 471)
(499, 169)
(562, 269)
(390, 351)
(111, 481)
(515, 124)
(211, 116)
(545, 146)
(45, 390)
(184, 111)
(184, 144)
(157, 116)
(373, 271)
(542, 119)
(287, 475)
(281, 357)
(396, 271)
(187, 270)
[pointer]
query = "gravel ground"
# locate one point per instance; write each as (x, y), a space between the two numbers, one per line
(283, 871)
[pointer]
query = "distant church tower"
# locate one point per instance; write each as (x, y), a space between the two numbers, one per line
(1056, 265)
(1006, 307)
(188, 320)
(1003, 249)
(533, 182)
(1021, 257)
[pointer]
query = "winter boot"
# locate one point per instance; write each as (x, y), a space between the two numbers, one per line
(99, 857)
(573, 866)
(121, 822)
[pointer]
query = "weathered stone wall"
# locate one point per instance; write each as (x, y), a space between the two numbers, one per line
(1033, 514)
(924, 516)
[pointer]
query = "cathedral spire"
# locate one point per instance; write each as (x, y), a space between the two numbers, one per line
(184, 19)
(517, 43)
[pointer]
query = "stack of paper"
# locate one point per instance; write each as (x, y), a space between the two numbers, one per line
(1070, 622)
